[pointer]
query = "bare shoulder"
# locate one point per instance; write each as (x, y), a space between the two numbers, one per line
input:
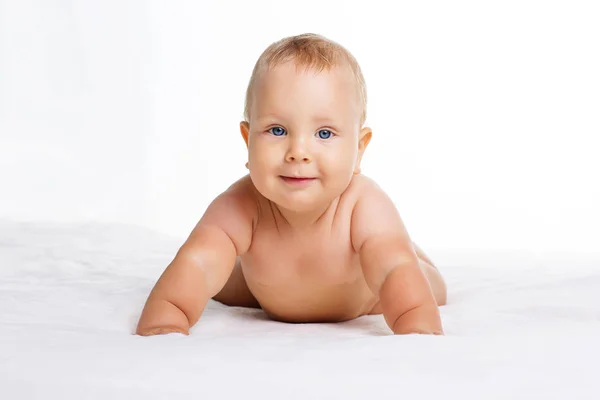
(234, 212)
(375, 215)
(359, 186)
(362, 182)
(242, 191)
(366, 192)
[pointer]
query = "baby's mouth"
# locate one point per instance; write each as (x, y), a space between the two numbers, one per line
(297, 180)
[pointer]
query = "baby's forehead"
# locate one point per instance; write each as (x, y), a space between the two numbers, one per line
(267, 115)
(296, 69)
(285, 80)
(304, 91)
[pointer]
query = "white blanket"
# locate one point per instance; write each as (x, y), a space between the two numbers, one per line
(517, 327)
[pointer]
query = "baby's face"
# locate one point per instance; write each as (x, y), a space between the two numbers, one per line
(305, 126)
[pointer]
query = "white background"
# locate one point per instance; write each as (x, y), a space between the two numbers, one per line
(485, 114)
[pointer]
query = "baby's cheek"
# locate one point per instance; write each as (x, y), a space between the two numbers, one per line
(340, 176)
(343, 164)
(260, 164)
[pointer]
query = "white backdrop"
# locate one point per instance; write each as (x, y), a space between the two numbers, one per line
(485, 115)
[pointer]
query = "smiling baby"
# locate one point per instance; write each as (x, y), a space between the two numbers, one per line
(304, 236)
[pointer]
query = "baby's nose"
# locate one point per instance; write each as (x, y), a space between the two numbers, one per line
(298, 152)
(292, 158)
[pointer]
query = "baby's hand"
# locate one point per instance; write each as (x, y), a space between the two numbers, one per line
(423, 320)
(162, 331)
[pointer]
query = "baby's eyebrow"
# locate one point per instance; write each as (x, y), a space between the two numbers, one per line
(317, 120)
(324, 120)
(329, 122)
(262, 119)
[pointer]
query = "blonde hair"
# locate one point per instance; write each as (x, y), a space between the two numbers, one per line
(311, 51)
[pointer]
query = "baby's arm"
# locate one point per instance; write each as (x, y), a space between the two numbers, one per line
(201, 267)
(391, 266)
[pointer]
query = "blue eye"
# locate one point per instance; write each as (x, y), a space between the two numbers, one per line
(325, 134)
(277, 131)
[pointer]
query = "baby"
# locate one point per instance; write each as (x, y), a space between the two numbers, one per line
(304, 236)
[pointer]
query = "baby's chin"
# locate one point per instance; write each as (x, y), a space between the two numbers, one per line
(297, 207)
(295, 202)
(304, 205)
(297, 197)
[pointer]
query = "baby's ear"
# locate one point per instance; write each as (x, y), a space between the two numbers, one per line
(364, 137)
(244, 130)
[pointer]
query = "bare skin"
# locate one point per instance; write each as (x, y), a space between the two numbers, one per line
(311, 274)
(326, 283)
(305, 236)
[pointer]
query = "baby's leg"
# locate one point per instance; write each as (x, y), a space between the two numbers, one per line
(438, 286)
(235, 292)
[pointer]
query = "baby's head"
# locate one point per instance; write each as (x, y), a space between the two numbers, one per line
(304, 116)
